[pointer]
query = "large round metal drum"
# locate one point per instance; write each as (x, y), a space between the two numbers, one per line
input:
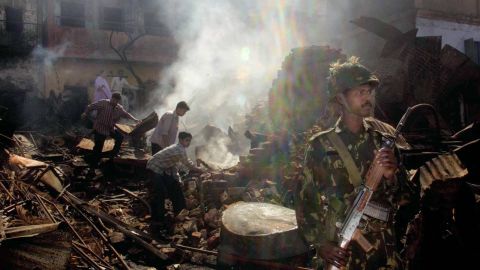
(260, 231)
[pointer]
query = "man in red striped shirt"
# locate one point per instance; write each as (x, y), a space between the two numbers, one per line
(108, 113)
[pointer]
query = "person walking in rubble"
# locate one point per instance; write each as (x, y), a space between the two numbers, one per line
(165, 180)
(108, 114)
(120, 84)
(102, 89)
(166, 130)
(330, 182)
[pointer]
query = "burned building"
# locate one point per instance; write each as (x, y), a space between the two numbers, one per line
(89, 35)
(54, 49)
(456, 26)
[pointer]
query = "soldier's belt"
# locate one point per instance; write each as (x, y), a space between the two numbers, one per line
(375, 210)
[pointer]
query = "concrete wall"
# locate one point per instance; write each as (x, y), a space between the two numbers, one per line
(355, 40)
(453, 34)
(91, 42)
(459, 8)
(18, 69)
(80, 52)
(454, 20)
(29, 7)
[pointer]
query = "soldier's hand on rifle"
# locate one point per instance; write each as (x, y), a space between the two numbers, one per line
(386, 158)
(334, 255)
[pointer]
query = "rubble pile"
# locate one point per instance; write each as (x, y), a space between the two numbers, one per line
(102, 222)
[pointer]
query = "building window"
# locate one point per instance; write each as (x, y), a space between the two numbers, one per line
(72, 14)
(153, 25)
(472, 50)
(14, 20)
(113, 19)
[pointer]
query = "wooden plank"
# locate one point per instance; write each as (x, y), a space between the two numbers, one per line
(139, 129)
(124, 128)
(25, 162)
(29, 230)
(87, 144)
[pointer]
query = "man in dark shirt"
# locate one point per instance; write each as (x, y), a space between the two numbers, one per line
(109, 112)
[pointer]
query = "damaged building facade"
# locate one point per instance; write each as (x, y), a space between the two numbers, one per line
(423, 51)
(457, 26)
(54, 49)
(87, 33)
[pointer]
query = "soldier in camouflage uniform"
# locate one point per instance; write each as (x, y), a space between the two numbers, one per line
(328, 189)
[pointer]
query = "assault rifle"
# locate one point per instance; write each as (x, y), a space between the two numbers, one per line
(348, 230)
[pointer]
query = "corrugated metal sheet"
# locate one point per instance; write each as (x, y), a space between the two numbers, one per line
(441, 168)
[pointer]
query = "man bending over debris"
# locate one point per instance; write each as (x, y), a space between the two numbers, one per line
(165, 182)
(108, 113)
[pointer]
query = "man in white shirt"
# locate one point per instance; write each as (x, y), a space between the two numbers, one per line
(102, 89)
(120, 82)
(165, 133)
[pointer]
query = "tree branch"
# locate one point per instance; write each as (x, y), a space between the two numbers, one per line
(113, 47)
(122, 53)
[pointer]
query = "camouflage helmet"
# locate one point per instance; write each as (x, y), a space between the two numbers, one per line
(343, 76)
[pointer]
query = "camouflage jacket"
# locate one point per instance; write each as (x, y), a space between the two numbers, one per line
(327, 193)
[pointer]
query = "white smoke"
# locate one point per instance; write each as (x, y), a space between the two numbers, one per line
(230, 51)
(45, 58)
(24, 73)
(50, 55)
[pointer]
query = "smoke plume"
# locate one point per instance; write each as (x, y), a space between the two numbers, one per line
(230, 51)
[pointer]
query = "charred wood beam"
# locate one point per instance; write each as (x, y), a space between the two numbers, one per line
(138, 198)
(183, 247)
(128, 231)
(74, 231)
(104, 264)
(29, 230)
(72, 199)
(45, 209)
(105, 240)
(11, 207)
(66, 221)
(132, 233)
(6, 191)
(85, 256)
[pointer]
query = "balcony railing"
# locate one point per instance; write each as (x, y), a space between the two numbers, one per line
(19, 37)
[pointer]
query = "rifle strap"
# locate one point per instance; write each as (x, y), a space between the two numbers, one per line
(353, 172)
